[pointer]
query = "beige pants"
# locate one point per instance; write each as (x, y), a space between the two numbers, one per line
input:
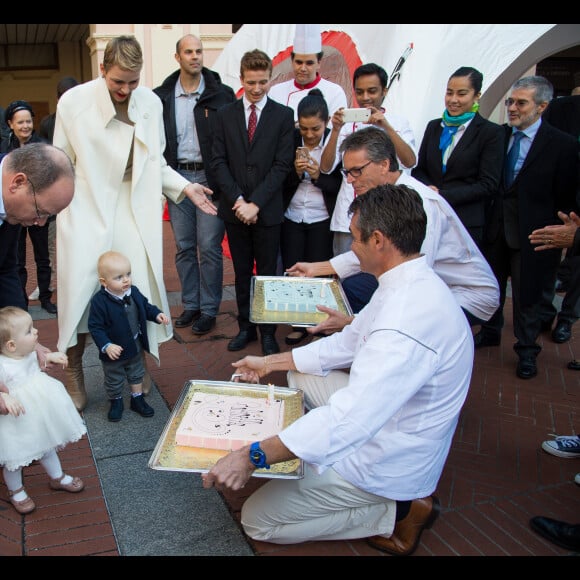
(318, 506)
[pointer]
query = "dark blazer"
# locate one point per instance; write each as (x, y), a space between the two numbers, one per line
(108, 322)
(11, 293)
(257, 171)
(546, 184)
(564, 114)
(214, 96)
(328, 183)
(473, 168)
(575, 249)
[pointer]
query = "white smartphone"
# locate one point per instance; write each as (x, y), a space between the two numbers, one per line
(356, 115)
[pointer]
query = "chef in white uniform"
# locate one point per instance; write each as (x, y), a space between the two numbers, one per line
(306, 56)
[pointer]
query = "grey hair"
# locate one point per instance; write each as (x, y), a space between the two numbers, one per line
(542, 87)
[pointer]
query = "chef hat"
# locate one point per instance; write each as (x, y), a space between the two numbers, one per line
(307, 39)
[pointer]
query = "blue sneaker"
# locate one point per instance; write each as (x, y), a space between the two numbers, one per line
(567, 446)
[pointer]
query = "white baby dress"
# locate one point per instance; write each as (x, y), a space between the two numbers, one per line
(51, 420)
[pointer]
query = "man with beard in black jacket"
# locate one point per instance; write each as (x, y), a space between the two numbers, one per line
(191, 97)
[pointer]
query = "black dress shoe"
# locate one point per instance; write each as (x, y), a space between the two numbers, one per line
(187, 317)
(562, 332)
(203, 324)
(269, 344)
(482, 339)
(527, 368)
(574, 365)
(49, 306)
(560, 533)
(242, 339)
(296, 336)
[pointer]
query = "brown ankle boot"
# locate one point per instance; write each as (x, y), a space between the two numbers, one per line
(407, 532)
(75, 379)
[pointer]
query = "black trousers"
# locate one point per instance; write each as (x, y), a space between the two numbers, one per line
(570, 311)
(249, 243)
(301, 242)
(506, 263)
(39, 238)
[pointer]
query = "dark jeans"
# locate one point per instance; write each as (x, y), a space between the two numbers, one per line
(359, 290)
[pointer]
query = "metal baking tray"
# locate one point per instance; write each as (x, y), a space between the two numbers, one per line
(168, 456)
(316, 289)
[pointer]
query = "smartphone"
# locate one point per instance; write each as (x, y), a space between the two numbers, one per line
(356, 115)
(302, 153)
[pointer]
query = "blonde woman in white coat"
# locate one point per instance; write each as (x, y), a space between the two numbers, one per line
(113, 132)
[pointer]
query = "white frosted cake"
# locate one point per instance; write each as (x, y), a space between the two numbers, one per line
(228, 422)
(297, 296)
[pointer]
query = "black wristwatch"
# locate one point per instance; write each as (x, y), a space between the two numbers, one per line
(257, 456)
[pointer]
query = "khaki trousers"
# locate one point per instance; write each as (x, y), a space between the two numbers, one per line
(319, 506)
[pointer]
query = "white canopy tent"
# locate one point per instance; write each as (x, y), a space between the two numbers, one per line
(502, 52)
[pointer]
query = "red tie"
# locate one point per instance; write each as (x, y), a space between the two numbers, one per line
(252, 122)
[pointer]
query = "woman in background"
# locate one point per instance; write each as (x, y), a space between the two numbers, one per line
(461, 153)
(309, 195)
(19, 117)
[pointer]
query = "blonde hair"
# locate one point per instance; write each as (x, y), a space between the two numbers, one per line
(8, 315)
(106, 259)
(124, 52)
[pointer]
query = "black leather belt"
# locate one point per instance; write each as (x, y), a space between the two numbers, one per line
(192, 166)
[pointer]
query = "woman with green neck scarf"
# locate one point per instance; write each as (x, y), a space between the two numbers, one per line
(461, 153)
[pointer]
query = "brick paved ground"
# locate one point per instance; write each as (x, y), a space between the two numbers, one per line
(495, 479)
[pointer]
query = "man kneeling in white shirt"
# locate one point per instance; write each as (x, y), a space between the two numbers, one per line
(375, 440)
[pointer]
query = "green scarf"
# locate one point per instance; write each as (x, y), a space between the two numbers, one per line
(452, 124)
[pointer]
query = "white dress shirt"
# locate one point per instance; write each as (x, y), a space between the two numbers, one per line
(451, 252)
(290, 94)
(307, 204)
(340, 218)
(410, 351)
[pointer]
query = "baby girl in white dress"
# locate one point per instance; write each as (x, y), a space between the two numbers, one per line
(42, 418)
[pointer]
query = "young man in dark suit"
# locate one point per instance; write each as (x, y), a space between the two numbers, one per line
(544, 181)
(250, 174)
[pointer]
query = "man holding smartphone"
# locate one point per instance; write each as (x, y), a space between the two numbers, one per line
(370, 88)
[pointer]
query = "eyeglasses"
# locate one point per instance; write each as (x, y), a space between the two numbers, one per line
(355, 171)
(520, 103)
(40, 215)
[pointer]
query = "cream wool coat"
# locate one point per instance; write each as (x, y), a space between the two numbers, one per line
(99, 147)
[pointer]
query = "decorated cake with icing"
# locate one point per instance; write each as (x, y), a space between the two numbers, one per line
(228, 422)
(297, 296)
